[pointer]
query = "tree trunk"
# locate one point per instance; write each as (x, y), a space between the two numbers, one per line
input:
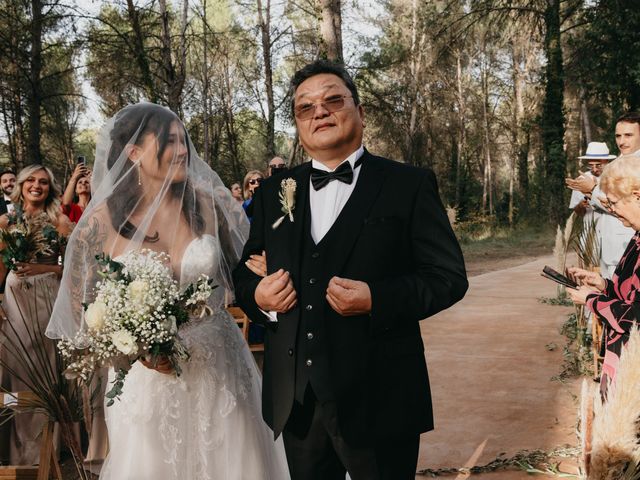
(205, 84)
(553, 122)
(462, 130)
(584, 114)
(229, 118)
(140, 53)
(264, 21)
(331, 30)
(487, 192)
(415, 66)
(174, 78)
(518, 116)
(34, 101)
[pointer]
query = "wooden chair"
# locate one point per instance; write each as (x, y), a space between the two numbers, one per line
(48, 458)
(243, 322)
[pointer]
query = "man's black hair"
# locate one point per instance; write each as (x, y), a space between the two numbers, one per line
(8, 170)
(629, 117)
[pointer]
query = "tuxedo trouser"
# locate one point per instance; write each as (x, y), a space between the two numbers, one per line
(321, 453)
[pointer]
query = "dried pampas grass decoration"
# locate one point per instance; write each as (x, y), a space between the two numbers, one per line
(615, 448)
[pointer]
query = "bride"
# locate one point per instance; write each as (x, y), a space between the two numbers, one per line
(152, 191)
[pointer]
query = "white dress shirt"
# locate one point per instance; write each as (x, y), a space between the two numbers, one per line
(327, 203)
(10, 207)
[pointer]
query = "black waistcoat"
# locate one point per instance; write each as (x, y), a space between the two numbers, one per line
(312, 362)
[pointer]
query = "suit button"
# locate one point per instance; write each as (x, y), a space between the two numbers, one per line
(308, 308)
(315, 255)
(290, 352)
(309, 336)
(308, 363)
(312, 281)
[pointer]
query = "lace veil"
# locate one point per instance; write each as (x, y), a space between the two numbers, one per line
(149, 190)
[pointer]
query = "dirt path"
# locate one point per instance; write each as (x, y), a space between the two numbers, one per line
(491, 370)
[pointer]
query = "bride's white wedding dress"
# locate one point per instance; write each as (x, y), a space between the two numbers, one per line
(204, 424)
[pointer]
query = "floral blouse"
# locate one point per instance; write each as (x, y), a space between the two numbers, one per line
(619, 306)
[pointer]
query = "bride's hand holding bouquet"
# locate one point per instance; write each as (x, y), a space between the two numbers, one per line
(136, 314)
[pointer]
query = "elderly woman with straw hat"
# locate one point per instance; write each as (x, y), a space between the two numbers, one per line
(617, 300)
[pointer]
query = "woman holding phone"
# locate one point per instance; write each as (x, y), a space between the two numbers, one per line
(616, 301)
(78, 192)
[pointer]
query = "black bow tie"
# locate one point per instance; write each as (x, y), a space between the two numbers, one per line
(344, 173)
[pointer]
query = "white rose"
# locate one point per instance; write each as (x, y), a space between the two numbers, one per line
(138, 290)
(170, 325)
(94, 315)
(124, 342)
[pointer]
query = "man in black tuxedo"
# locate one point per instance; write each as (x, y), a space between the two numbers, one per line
(369, 253)
(7, 184)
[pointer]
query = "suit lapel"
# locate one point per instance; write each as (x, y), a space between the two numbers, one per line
(290, 235)
(345, 230)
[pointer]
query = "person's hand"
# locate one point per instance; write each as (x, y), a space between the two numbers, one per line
(349, 297)
(80, 171)
(582, 183)
(585, 277)
(30, 269)
(257, 264)
(275, 292)
(581, 208)
(579, 295)
(160, 364)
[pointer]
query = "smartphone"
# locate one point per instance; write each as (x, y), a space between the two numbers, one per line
(81, 160)
(551, 274)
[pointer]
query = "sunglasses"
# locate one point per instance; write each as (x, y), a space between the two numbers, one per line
(305, 111)
(253, 181)
(282, 166)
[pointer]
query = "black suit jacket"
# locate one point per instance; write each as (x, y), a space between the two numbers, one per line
(393, 233)
(3, 205)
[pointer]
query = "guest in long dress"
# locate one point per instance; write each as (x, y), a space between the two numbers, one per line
(79, 186)
(616, 301)
(30, 292)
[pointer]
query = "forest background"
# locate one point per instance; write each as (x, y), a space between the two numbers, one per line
(498, 97)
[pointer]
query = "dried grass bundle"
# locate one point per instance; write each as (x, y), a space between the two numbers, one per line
(63, 401)
(615, 451)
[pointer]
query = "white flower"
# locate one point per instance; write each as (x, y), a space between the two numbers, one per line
(287, 200)
(124, 342)
(170, 325)
(138, 291)
(95, 314)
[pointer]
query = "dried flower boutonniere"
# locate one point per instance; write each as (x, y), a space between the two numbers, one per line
(287, 200)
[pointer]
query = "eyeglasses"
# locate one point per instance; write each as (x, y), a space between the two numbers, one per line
(282, 166)
(305, 111)
(609, 204)
(253, 181)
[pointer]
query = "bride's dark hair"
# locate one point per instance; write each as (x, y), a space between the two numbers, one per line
(138, 121)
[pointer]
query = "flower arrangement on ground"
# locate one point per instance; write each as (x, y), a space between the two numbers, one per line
(136, 313)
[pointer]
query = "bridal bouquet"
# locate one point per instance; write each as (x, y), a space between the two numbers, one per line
(136, 313)
(27, 238)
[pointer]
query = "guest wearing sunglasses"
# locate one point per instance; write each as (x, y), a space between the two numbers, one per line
(251, 182)
(276, 165)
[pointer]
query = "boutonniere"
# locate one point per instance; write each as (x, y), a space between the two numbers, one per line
(287, 200)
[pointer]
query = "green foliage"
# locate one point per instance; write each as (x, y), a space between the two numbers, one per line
(577, 353)
(117, 384)
(607, 60)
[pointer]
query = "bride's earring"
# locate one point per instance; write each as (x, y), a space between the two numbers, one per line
(139, 177)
